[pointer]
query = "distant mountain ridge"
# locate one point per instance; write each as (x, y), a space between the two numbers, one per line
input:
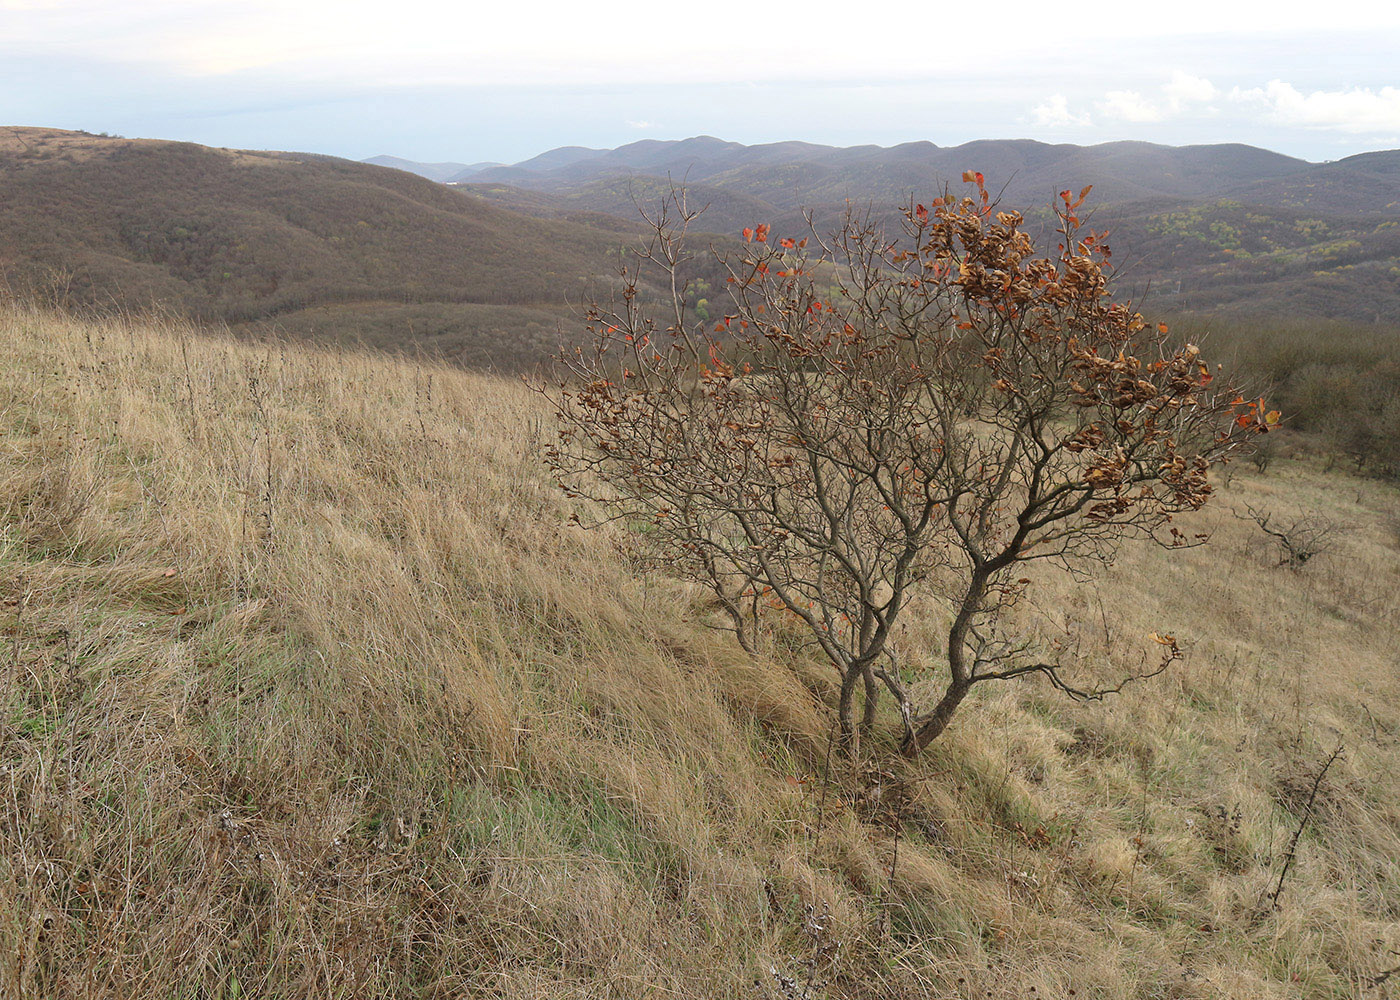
(442, 172)
(789, 173)
(1209, 227)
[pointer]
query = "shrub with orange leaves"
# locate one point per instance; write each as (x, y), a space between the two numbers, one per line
(883, 414)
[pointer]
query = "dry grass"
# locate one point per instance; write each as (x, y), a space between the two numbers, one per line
(308, 690)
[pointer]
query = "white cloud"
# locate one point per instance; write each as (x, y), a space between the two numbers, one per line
(1054, 112)
(1182, 94)
(1357, 111)
(1129, 106)
(1185, 89)
(640, 124)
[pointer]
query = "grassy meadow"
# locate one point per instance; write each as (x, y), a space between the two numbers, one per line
(308, 688)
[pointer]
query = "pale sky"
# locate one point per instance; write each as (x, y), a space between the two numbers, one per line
(464, 81)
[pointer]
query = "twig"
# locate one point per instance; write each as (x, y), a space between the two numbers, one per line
(1298, 834)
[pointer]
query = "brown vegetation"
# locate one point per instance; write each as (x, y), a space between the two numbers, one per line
(278, 240)
(1337, 384)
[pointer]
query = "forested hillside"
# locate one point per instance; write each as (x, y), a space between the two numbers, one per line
(487, 272)
(314, 244)
(1226, 228)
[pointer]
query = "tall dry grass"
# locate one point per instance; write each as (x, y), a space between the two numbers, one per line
(308, 689)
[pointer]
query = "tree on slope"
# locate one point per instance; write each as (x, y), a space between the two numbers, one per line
(883, 417)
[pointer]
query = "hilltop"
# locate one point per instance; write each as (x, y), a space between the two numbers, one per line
(311, 689)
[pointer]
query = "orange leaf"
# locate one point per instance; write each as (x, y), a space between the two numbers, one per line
(748, 234)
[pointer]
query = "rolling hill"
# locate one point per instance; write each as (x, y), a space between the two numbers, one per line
(314, 244)
(328, 248)
(796, 174)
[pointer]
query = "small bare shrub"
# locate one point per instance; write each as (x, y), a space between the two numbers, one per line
(1300, 540)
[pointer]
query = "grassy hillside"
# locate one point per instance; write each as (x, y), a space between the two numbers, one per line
(309, 690)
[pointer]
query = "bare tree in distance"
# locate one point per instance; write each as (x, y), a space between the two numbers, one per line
(880, 417)
(1298, 540)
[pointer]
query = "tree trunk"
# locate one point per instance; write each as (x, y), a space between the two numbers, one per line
(929, 727)
(872, 699)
